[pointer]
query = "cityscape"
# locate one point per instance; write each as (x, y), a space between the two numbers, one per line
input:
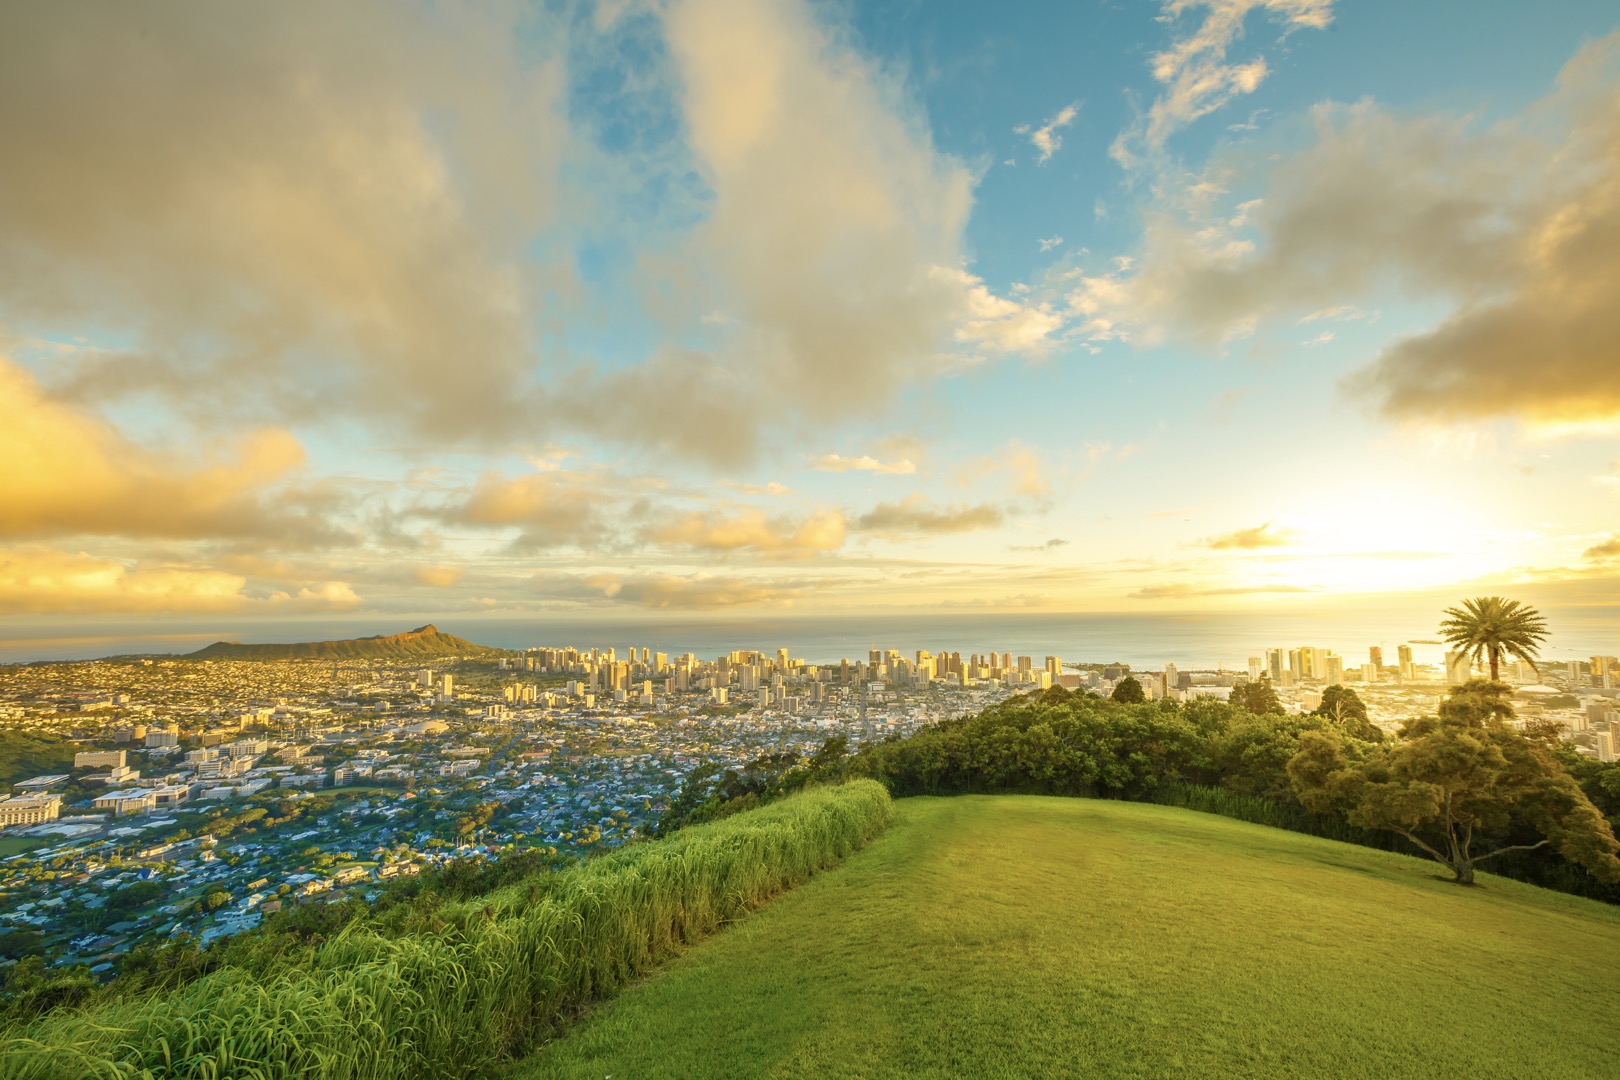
(1070, 538)
(213, 792)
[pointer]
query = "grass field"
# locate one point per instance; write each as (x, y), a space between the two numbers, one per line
(16, 845)
(1064, 937)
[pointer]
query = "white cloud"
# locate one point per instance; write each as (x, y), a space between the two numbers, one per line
(1050, 243)
(1512, 225)
(1197, 74)
(864, 463)
(1046, 139)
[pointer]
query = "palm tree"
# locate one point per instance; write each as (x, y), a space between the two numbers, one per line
(1493, 625)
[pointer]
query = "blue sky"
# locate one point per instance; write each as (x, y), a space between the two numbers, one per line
(608, 310)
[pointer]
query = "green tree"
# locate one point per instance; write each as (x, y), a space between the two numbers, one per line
(1345, 708)
(1489, 626)
(1129, 692)
(1257, 697)
(1454, 779)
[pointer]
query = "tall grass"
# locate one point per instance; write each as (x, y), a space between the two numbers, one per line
(498, 972)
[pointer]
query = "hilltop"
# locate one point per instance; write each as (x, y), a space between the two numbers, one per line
(424, 641)
(1033, 936)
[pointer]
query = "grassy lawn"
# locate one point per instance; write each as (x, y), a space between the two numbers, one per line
(1063, 937)
(16, 845)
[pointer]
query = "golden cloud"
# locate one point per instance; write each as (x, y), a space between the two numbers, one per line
(1261, 536)
(254, 195)
(823, 531)
(916, 515)
(672, 591)
(42, 580)
(66, 472)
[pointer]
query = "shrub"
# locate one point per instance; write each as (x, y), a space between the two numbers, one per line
(501, 970)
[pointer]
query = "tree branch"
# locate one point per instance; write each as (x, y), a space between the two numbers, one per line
(1439, 857)
(1515, 847)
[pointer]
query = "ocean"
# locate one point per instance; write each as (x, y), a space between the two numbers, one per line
(1189, 640)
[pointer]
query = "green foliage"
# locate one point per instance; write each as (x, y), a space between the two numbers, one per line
(24, 755)
(713, 793)
(471, 981)
(1259, 698)
(1129, 692)
(16, 944)
(1057, 743)
(31, 989)
(1456, 780)
(1489, 626)
(1345, 708)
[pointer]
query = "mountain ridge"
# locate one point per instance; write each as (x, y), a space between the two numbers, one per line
(424, 641)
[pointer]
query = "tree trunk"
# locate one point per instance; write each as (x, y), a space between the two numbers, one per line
(1496, 664)
(1464, 872)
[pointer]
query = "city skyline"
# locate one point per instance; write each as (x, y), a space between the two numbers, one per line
(724, 309)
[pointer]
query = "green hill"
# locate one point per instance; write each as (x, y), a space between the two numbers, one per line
(424, 641)
(1027, 936)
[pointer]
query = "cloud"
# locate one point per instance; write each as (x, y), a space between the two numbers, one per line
(1050, 242)
(998, 325)
(551, 508)
(1511, 225)
(299, 209)
(916, 515)
(42, 580)
(1261, 536)
(865, 463)
(1198, 76)
(1051, 545)
(768, 488)
(1021, 465)
(67, 472)
(697, 592)
(1607, 549)
(823, 531)
(437, 577)
(1184, 592)
(831, 208)
(1046, 139)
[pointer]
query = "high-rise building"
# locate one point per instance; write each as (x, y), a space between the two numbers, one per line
(1459, 669)
(1375, 655)
(1332, 668)
(1276, 664)
(1408, 669)
(1603, 671)
(1257, 668)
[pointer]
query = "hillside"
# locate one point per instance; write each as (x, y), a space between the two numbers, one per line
(1027, 936)
(424, 641)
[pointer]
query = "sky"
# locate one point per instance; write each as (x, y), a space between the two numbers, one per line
(741, 308)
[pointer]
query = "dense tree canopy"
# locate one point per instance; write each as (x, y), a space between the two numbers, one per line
(1457, 782)
(1258, 697)
(1129, 692)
